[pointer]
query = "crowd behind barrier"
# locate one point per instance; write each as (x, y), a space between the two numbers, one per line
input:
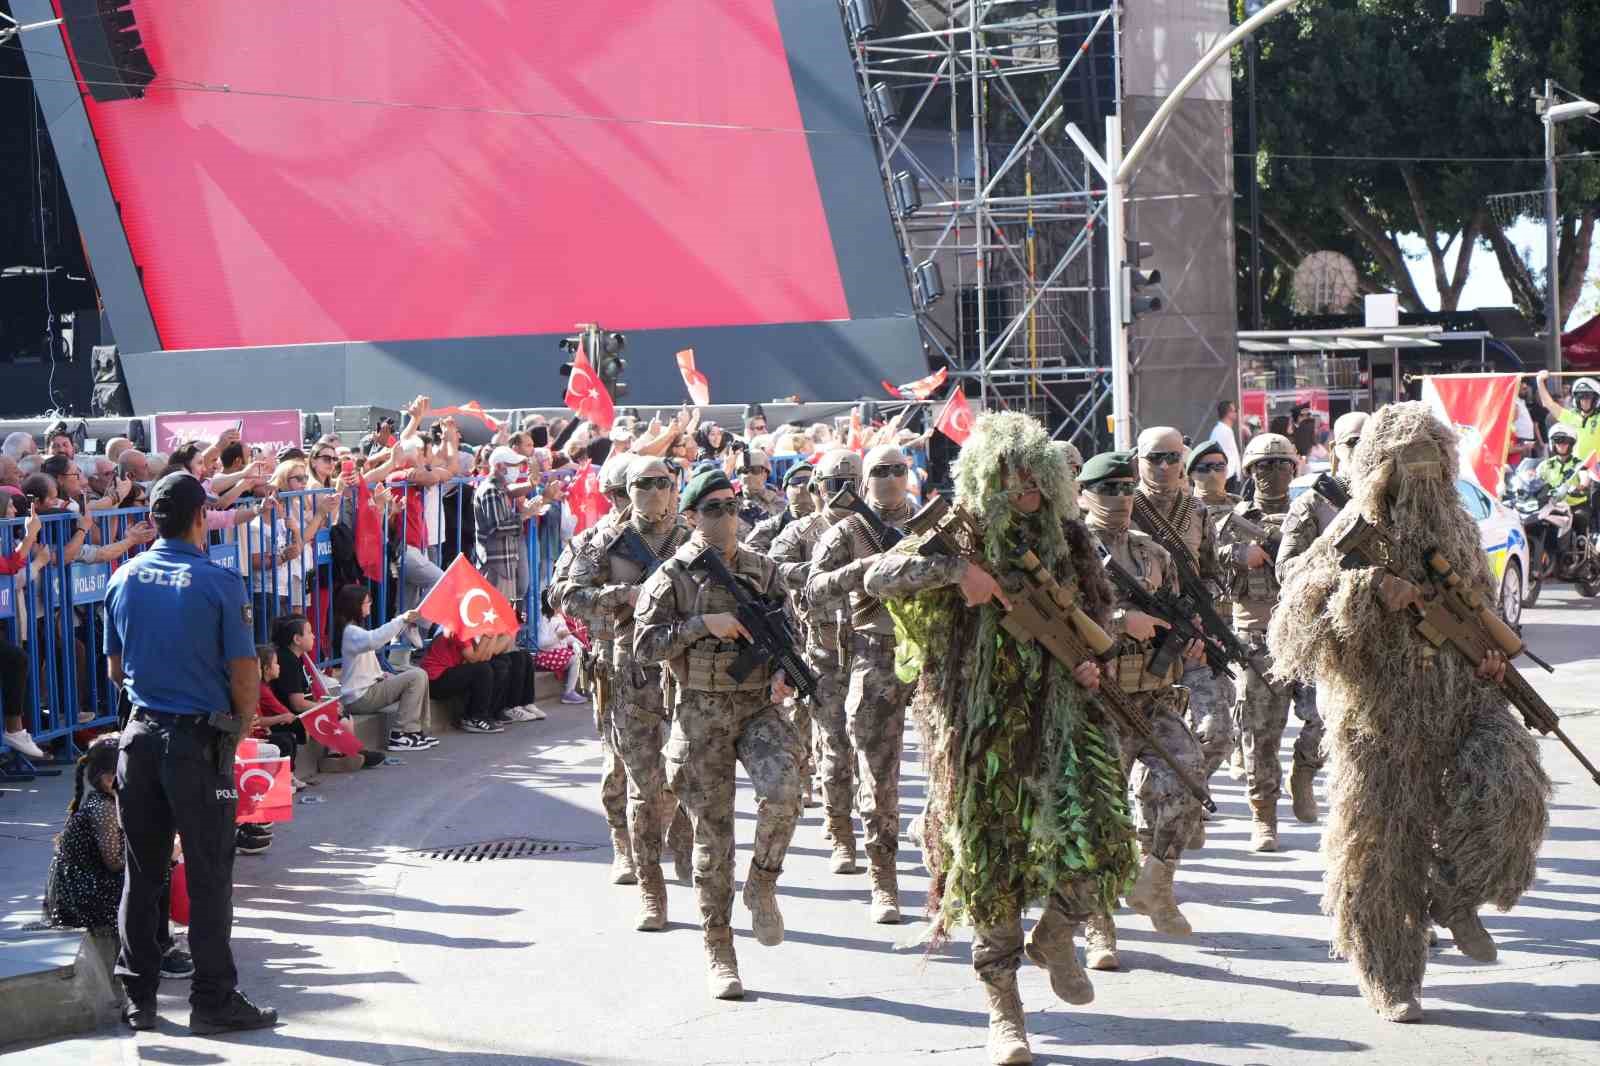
(51, 609)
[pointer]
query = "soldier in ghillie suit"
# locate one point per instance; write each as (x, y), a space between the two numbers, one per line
(1026, 801)
(1438, 801)
(688, 621)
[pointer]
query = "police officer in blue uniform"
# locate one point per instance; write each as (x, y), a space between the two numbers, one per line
(179, 642)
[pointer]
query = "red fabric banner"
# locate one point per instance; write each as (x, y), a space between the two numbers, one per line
(955, 421)
(324, 725)
(698, 384)
(471, 410)
(264, 790)
(1481, 408)
(369, 533)
(586, 396)
(585, 499)
(466, 605)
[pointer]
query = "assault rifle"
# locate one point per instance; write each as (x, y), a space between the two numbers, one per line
(1044, 612)
(847, 500)
(1455, 614)
(1167, 607)
(771, 642)
(632, 545)
(1331, 489)
(1194, 597)
(1270, 541)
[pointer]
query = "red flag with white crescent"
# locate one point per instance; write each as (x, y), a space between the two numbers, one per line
(955, 421)
(1481, 408)
(698, 384)
(922, 388)
(265, 792)
(586, 396)
(585, 499)
(324, 725)
(466, 605)
(472, 409)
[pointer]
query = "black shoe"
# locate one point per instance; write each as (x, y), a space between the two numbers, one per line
(245, 844)
(140, 1017)
(236, 1014)
(177, 964)
(369, 759)
(256, 829)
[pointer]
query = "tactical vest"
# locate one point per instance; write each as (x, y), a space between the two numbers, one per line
(704, 666)
(868, 615)
(1255, 592)
(625, 570)
(1129, 667)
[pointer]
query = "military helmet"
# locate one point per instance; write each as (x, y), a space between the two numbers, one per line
(1268, 446)
(1563, 432)
(614, 473)
(841, 462)
(1349, 424)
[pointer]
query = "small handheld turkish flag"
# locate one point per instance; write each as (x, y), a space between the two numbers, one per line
(323, 724)
(466, 605)
(922, 388)
(586, 396)
(698, 384)
(955, 421)
(369, 532)
(264, 790)
(584, 499)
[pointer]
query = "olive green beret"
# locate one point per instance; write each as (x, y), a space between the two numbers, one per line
(702, 485)
(1107, 465)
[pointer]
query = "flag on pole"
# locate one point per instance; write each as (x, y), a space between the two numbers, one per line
(698, 384)
(955, 421)
(472, 410)
(369, 532)
(264, 790)
(324, 725)
(466, 605)
(586, 396)
(1481, 408)
(920, 389)
(585, 499)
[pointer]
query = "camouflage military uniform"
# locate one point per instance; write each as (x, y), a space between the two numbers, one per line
(764, 532)
(791, 553)
(1264, 710)
(602, 579)
(875, 704)
(755, 508)
(1211, 705)
(1309, 515)
(719, 722)
(1215, 743)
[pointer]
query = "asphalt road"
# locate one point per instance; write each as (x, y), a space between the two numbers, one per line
(376, 953)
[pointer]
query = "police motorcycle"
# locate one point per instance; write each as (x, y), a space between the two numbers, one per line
(1555, 551)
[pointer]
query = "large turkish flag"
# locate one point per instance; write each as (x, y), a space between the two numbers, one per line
(466, 605)
(585, 394)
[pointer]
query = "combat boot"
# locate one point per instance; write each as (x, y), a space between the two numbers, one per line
(652, 901)
(1471, 937)
(1302, 790)
(1051, 946)
(760, 896)
(680, 838)
(885, 891)
(1100, 943)
(1152, 897)
(1008, 1032)
(722, 966)
(843, 835)
(622, 859)
(1263, 825)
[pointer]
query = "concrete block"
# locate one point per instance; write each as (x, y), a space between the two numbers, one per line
(56, 983)
(372, 730)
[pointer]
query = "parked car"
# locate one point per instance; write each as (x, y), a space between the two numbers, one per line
(1500, 533)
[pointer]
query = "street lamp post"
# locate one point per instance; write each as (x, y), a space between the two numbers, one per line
(1553, 113)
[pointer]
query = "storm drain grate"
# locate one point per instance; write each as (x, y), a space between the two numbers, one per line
(510, 848)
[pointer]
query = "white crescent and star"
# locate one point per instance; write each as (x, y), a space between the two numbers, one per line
(254, 772)
(323, 726)
(486, 618)
(960, 420)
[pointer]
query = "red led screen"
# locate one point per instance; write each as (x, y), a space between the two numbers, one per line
(415, 169)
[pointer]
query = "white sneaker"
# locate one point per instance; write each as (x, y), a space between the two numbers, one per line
(518, 714)
(534, 713)
(22, 741)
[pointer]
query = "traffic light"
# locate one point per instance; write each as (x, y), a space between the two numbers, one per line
(603, 351)
(1135, 281)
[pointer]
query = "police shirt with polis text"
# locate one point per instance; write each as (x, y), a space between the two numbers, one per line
(177, 619)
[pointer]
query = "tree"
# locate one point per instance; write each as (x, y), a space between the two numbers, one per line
(1385, 118)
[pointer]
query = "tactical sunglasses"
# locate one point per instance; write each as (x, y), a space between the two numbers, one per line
(1114, 488)
(1210, 468)
(763, 471)
(1163, 458)
(718, 508)
(655, 482)
(884, 470)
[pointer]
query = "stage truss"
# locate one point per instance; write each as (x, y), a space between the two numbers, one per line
(992, 203)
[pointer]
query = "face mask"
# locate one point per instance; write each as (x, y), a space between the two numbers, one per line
(802, 503)
(1212, 484)
(1273, 483)
(1110, 513)
(720, 531)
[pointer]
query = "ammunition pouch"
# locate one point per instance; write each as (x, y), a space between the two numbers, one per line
(705, 668)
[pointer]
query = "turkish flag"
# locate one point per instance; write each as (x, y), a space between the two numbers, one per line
(585, 499)
(324, 725)
(264, 790)
(369, 533)
(922, 388)
(586, 396)
(955, 421)
(472, 410)
(466, 605)
(1481, 408)
(698, 385)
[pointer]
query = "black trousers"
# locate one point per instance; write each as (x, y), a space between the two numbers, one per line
(167, 781)
(513, 677)
(476, 681)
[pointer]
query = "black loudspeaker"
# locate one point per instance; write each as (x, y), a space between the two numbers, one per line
(353, 423)
(110, 395)
(111, 59)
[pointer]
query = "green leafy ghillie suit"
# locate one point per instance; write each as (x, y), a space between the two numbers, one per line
(1026, 796)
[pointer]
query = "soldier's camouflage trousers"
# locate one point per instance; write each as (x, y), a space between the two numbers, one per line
(638, 729)
(997, 949)
(836, 755)
(1210, 714)
(613, 775)
(711, 732)
(876, 710)
(1263, 714)
(1308, 745)
(797, 712)
(1166, 813)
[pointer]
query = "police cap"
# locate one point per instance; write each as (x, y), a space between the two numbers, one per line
(175, 499)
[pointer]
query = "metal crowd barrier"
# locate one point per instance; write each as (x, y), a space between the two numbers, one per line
(54, 612)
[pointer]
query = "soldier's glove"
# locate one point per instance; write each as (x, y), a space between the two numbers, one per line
(1396, 593)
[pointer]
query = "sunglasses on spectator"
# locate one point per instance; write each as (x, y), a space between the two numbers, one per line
(324, 457)
(296, 479)
(1114, 488)
(885, 470)
(1164, 458)
(1210, 468)
(656, 482)
(718, 508)
(747, 471)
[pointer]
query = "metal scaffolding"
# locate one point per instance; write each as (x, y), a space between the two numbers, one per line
(967, 102)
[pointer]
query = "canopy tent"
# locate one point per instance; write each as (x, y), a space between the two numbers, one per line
(1580, 349)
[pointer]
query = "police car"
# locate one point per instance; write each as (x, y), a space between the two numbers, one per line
(1499, 531)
